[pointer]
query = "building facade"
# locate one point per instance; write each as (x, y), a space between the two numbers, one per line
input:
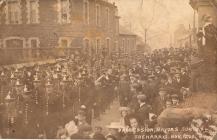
(127, 41)
(205, 7)
(204, 74)
(183, 37)
(36, 29)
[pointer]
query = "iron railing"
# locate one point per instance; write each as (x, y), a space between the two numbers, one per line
(15, 56)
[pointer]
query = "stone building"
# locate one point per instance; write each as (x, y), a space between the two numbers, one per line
(204, 75)
(37, 29)
(205, 7)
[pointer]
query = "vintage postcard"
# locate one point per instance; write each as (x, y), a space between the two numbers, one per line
(108, 69)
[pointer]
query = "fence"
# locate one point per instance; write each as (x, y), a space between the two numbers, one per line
(15, 56)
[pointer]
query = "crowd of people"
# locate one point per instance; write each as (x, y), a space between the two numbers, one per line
(157, 81)
(36, 100)
(60, 100)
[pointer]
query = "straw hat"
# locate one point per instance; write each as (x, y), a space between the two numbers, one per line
(36, 79)
(12, 76)
(26, 89)
(2, 74)
(18, 83)
(9, 97)
(141, 97)
(124, 109)
(115, 125)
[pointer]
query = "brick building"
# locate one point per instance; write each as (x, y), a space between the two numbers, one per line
(127, 41)
(36, 29)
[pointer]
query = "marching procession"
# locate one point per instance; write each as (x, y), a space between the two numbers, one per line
(82, 69)
(60, 100)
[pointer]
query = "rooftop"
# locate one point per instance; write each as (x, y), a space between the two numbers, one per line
(124, 31)
(194, 3)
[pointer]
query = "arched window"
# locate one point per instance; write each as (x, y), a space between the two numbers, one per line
(123, 46)
(64, 11)
(32, 11)
(13, 12)
(1, 43)
(98, 44)
(86, 11)
(87, 46)
(14, 43)
(98, 15)
(108, 44)
(34, 42)
(107, 17)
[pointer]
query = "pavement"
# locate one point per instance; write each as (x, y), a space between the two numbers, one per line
(112, 114)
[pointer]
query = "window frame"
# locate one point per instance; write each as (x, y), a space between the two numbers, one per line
(29, 12)
(33, 38)
(107, 17)
(86, 21)
(59, 8)
(1, 43)
(69, 41)
(98, 47)
(108, 47)
(7, 20)
(98, 15)
(14, 37)
(123, 44)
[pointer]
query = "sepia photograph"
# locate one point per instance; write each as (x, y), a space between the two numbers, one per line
(108, 69)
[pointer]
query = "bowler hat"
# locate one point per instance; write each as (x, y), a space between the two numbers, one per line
(141, 97)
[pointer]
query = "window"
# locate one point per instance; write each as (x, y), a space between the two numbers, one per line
(64, 42)
(98, 15)
(134, 42)
(86, 11)
(1, 43)
(64, 11)
(33, 43)
(117, 25)
(128, 45)
(98, 43)
(108, 44)
(13, 12)
(2, 11)
(87, 49)
(116, 46)
(107, 17)
(86, 43)
(14, 42)
(123, 44)
(32, 11)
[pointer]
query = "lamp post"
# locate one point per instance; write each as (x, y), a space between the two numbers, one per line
(2, 79)
(64, 85)
(49, 90)
(12, 80)
(10, 102)
(19, 92)
(36, 84)
(27, 99)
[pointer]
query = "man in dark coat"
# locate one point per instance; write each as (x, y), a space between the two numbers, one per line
(143, 110)
(124, 89)
(209, 40)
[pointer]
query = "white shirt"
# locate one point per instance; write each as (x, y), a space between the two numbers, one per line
(141, 104)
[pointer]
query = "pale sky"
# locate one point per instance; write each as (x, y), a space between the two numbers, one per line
(161, 17)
